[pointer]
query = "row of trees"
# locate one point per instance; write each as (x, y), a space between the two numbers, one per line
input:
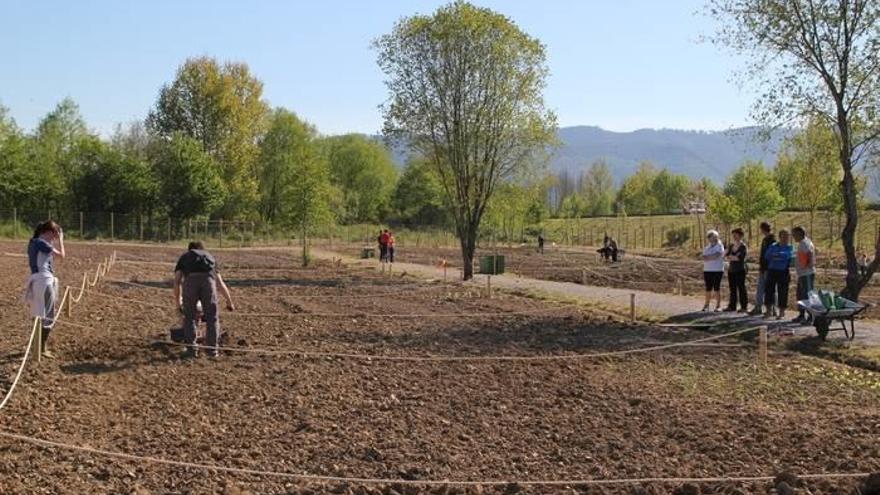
(211, 146)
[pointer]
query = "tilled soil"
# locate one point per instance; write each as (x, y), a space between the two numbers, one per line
(654, 271)
(683, 412)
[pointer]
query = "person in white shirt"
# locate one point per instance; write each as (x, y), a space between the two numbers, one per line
(713, 269)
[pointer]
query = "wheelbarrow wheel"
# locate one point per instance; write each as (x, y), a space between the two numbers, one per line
(822, 325)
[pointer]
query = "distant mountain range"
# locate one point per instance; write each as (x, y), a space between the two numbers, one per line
(697, 154)
(713, 154)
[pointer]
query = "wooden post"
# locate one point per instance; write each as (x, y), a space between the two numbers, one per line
(583, 276)
(444, 270)
(489, 286)
(142, 226)
(220, 223)
(112, 227)
(680, 287)
(39, 337)
(632, 307)
(69, 312)
(82, 234)
(15, 223)
(762, 346)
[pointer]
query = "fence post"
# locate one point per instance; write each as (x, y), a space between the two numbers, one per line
(141, 217)
(82, 234)
(632, 307)
(169, 229)
(762, 346)
(112, 227)
(15, 223)
(221, 232)
(69, 302)
(39, 337)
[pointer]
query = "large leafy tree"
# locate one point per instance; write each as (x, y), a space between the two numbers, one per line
(288, 142)
(816, 59)
(636, 193)
(55, 137)
(294, 177)
(19, 181)
(597, 187)
(465, 92)
(418, 197)
(751, 193)
(221, 107)
(191, 183)
(108, 180)
(807, 170)
(669, 191)
(364, 172)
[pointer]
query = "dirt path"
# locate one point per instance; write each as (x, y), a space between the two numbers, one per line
(650, 305)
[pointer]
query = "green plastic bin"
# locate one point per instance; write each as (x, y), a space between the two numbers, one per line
(492, 265)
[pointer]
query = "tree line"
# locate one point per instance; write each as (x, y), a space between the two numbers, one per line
(211, 146)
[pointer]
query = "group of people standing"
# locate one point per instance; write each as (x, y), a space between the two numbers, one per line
(775, 259)
(386, 246)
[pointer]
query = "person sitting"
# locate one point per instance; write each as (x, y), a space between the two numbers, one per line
(609, 249)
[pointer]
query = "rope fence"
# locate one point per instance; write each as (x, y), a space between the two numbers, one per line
(67, 300)
(701, 342)
(317, 478)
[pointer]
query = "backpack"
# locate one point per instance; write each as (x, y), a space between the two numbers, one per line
(201, 261)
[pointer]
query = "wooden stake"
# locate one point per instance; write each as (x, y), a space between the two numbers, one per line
(39, 337)
(583, 276)
(66, 297)
(489, 286)
(112, 226)
(762, 346)
(632, 307)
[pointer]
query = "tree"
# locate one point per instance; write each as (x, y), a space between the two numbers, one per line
(418, 197)
(816, 59)
(597, 187)
(669, 191)
(221, 107)
(55, 137)
(19, 181)
(295, 180)
(636, 193)
(289, 141)
(190, 182)
(362, 169)
(753, 191)
(107, 180)
(465, 92)
(807, 170)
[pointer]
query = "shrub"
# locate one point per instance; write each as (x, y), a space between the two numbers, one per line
(677, 237)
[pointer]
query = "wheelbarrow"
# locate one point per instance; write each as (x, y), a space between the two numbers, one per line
(823, 317)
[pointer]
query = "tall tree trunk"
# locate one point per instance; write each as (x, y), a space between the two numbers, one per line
(850, 206)
(468, 237)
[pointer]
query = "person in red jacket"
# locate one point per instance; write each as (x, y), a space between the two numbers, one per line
(383, 244)
(390, 247)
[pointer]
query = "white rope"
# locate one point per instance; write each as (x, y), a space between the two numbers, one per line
(507, 314)
(390, 481)
(400, 293)
(379, 357)
(27, 352)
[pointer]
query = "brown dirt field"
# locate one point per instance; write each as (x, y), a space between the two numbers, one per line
(655, 270)
(686, 412)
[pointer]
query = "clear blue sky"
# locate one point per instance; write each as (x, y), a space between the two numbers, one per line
(622, 65)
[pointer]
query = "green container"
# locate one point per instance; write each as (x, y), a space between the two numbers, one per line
(492, 265)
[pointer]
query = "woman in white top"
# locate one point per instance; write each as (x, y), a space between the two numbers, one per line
(713, 269)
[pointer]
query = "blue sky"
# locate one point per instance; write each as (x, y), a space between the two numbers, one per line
(622, 65)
